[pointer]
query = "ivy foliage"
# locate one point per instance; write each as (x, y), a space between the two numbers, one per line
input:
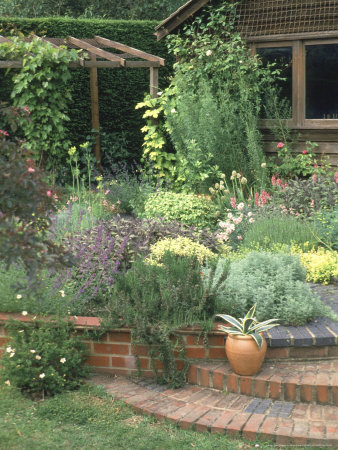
(41, 87)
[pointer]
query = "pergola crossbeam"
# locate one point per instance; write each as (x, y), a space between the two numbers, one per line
(95, 48)
(96, 51)
(130, 50)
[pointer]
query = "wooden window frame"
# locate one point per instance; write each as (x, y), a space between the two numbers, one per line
(298, 44)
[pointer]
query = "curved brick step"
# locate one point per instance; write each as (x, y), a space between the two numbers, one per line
(206, 409)
(295, 381)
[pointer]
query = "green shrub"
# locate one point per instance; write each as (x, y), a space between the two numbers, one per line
(276, 228)
(326, 225)
(44, 357)
(276, 282)
(321, 264)
(154, 300)
(180, 246)
(186, 208)
(307, 196)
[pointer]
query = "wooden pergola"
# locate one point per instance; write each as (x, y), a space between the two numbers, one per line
(119, 56)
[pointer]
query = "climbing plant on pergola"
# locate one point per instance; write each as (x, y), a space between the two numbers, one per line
(102, 53)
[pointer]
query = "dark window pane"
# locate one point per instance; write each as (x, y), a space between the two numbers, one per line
(282, 57)
(322, 81)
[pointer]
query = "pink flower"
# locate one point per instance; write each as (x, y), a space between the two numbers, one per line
(314, 177)
(280, 145)
(49, 193)
(107, 192)
(30, 170)
(336, 177)
(239, 238)
(273, 180)
(315, 166)
(304, 152)
(240, 206)
(26, 109)
(233, 202)
(3, 132)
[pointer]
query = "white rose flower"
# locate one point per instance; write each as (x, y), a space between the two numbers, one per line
(19, 296)
(38, 357)
(24, 313)
(42, 375)
(63, 360)
(209, 52)
(8, 383)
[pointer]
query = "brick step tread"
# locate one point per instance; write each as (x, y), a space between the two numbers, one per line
(205, 409)
(307, 381)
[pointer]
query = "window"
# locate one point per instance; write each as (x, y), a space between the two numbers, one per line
(310, 68)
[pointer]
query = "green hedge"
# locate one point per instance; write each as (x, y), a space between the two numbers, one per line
(119, 89)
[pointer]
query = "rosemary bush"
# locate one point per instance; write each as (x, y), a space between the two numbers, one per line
(154, 301)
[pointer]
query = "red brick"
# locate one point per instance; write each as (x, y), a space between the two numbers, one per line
(317, 430)
(260, 388)
(275, 389)
(331, 413)
(283, 434)
(267, 430)
(218, 380)
(236, 425)
(177, 415)
(141, 350)
(116, 336)
(216, 341)
(306, 392)
(277, 353)
(129, 362)
(290, 389)
(195, 352)
(3, 341)
(333, 350)
(195, 413)
(300, 411)
(192, 374)
(232, 382)
(322, 387)
(307, 352)
(245, 384)
(112, 349)
(219, 426)
(316, 412)
(194, 340)
(299, 433)
(166, 408)
(205, 422)
(98, 361)
(251, 427)
(204, 377)
(179, 364)
(217, 353)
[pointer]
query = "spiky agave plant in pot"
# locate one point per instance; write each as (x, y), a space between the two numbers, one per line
(245, 345)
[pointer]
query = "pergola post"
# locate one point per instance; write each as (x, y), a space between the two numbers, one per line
(94, 102)
(154, 82)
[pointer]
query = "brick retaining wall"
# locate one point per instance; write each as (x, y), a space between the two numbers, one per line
(113, 353)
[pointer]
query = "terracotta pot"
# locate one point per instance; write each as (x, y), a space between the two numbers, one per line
(244, 355)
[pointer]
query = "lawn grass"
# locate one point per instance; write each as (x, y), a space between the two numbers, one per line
(91, 419)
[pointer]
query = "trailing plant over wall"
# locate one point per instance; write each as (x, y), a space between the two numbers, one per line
(41, 87)
(154, 301)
